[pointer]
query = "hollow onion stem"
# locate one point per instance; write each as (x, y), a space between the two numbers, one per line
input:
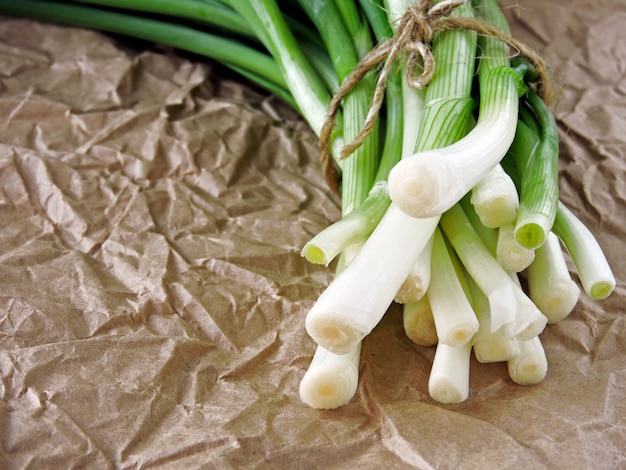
(448, 382)
(331, 379)
(352, 228)
(530, 366)
(512, 256)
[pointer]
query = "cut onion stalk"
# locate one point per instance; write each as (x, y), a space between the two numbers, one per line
(418, 322)
(530, 366)
(495, 198)
(416, 284)
(331, 379)
(550, 284)
(455, 321)
(448, 382)
(488, 345)
(512, 256)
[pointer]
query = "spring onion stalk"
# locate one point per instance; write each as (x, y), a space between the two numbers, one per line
(449, 108)
(448, 382)
(394, 107)
(488, 345)
(214, 13)
(539, 193)
(489, 236)
(416, 284)
(550, 284)
(418, 322)
(495, 198)
(512, 256)
(303, 81)
(181, 37)
(352, 228)
(359, 169)
(589, 260)
(455, 320)
(481, 266)
(331, 380)
(428, 183)
(529, 320)
(356, 300)
(530, 366)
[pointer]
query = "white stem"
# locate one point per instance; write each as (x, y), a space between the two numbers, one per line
(495, 198)
(530, 366)
(529, 320)
(356, 300)
(550, 284)
(413, 101)
(512, 256)
(454, 317)
(488, 345)
(497, 347)
(428, 183)
(449, 377)
(592, 266)
(418, 322)
(331, 379)
(352, 229)
(416, 284)
(481, 266)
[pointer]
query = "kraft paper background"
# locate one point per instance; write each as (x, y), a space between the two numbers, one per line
(153, 296)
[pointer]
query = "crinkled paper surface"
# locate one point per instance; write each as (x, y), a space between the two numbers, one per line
(152, 293)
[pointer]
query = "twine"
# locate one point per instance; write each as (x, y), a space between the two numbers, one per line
(413, 36)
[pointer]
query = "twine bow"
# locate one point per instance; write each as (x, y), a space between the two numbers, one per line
(413, 36)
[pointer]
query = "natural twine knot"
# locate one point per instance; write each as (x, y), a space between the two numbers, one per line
(412, 37)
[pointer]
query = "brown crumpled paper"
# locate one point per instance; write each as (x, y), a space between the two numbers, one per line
(152, 294)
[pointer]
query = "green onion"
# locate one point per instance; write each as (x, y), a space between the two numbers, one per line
(530, 366)
(592, 266)
(539, 194)
(550, 285)
(482, 266)
(512, 256)
(428, 183)
(448, 382)
(353, 304)
(331, 380)
(353, 228)
(455, 320)
(489, 345)
(589, 260)
(495, 198)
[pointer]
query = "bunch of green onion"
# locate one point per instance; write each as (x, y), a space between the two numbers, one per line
(451, 196)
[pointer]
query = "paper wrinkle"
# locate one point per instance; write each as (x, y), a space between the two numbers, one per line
(152, 292)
